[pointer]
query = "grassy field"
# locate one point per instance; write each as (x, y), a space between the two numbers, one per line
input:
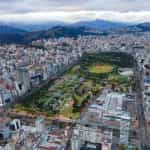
(100, 68)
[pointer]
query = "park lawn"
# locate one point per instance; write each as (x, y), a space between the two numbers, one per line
(100, 68)
(67, 111)
(120, 79)
(74, 70)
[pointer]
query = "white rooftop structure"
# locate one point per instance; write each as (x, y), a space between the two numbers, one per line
(113, 101)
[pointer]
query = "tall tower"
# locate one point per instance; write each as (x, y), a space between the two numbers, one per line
(23, 80)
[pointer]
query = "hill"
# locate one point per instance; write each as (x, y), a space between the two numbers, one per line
(60, 31)
(95, 24)
(13, 35)
(4, 29)
(11, 38)
(33, 27)
(100, 24)
(134, 29)
(55, 32)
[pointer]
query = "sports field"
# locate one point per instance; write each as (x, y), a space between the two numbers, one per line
(100, 68)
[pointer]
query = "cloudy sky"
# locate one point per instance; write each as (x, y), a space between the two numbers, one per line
(74, 10)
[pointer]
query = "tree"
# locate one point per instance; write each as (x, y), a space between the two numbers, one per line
(136, 148)
(122, 147)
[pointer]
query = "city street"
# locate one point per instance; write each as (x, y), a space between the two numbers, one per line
(144, 139)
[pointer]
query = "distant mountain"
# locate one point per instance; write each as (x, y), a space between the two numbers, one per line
(95, 24)
(4, 29)
(55, 32)
(10, 34)
(139, 28)
(33, 27)
(143, 27)
(11, 38)
(100, 24)
(13, 35)
(74, 31)
(60, 31)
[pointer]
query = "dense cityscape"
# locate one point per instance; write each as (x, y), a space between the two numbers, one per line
(111, 117)
(74, 75)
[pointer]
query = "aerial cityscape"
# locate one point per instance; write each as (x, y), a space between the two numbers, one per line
(74, 75)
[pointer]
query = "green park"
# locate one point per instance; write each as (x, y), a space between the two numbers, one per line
(68, 95)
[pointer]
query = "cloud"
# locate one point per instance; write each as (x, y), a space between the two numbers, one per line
(119, 5)
(28, 6)
(74, 16)
(74, 10)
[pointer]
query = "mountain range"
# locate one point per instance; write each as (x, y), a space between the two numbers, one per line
(55, 32)
(96, 24)
(21, 32)
(100, 24)
(33, 27)
(60, 31)
(10, 34)
(10, 30)
(143, 27)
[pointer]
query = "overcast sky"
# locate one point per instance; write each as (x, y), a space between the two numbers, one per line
(74, 10)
